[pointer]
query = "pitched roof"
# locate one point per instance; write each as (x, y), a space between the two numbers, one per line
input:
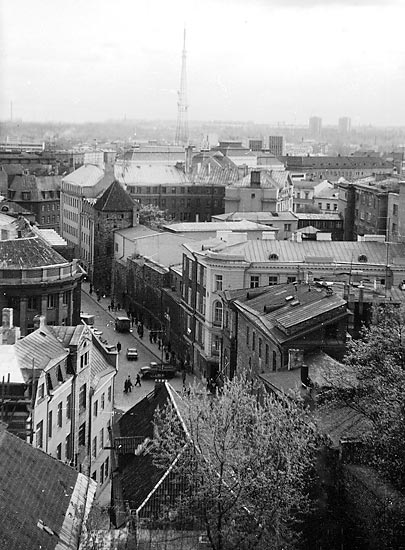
(345, 252)
(39, 348)
(35, 488)
(241, 225)
(259, 217)
(115, 199)
(150, 174)
(28, 253)
(269, 179)
(138, 474)
(87, 175)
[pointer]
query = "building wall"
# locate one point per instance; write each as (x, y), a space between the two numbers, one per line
(58, 299)
(105, 223)
(182, 202)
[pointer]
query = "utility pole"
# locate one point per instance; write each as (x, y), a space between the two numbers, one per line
(182, 107)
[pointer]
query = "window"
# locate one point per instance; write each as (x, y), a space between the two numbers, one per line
(102, 474)
(287, 227)
(41, 391)
(218, 282)
(102, 401)
(60, 414)
(26, 196)
(94, 475)
(82, 434)
(328, 206)
(254, 281)
(84, 359)
(67, 447)
(273, 257)
(50, 424)
(395, 210)
(40, 434)
(253, 340)
(101, 439)
(33, 302)
(218, 312)
(68, 406)
(109, 394)
(66, 297)
(82, 397)
(274, 360)
(291, 279)
(320, 205)
(52, 300)
(95, 408)
(106, 468)
(247, 336)
(59, 451)
(260, 348)
(267, 354)
(362, 258)
(273, 280)
(94, 446)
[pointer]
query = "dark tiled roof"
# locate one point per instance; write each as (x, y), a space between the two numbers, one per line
(27, 253)
(68, 335)
(33, 486)
(139, 476)
(115, 199)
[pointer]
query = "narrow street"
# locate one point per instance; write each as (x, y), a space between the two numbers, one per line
(147, 352)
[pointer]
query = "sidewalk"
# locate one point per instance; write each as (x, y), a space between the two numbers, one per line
(145, 342)
(104, 303)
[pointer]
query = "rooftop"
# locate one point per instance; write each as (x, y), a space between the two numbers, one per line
(87, 175)
(28, 252)
(150, 174)
(241, 225)
(38, 490)
(115, 199)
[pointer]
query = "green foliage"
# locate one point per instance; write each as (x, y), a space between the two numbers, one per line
(243, 465)
(376, 389)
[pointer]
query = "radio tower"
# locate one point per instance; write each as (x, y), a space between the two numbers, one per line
(182, 118)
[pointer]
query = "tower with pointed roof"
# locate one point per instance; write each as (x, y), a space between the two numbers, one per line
(112, 211)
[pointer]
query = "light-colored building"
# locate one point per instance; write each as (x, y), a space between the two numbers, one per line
(276, 145)
(285, 222)
(87, 182)
(260, 190)
(212, 267)
(60, 395)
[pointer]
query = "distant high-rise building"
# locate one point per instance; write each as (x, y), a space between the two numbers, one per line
(315, 126)
(345, 125)
(276, 145)
(255, 144)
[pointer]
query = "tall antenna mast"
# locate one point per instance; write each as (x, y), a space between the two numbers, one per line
(182, 117)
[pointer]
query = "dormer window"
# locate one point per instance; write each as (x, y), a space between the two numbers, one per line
(362, 258)
(273, 256)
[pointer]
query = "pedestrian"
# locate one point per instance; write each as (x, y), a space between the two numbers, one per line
(119, 347)
(112, 305)
(126, 386)
(184, 377)
(98, 297)
(129, 383)
(138, 380)
(109, 307)
(91, 289)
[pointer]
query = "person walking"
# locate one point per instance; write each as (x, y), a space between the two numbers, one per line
(138, 380)
(119, 347)
(126, 386)
(184, 377)
(129, 383)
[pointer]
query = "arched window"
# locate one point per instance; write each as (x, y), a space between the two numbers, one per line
(218, 313)
(273, 256)
(362, 258)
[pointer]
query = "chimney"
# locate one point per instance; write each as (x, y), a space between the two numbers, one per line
(7, 318)
(39, 321)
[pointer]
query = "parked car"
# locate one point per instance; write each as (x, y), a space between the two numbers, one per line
(132, 354)
(157, 370)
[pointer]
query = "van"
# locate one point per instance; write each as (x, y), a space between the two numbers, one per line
(122, 324)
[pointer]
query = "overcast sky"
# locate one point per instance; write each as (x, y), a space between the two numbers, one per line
(262, 60)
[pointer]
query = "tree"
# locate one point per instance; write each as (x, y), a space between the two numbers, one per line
(373, 383)
(152, 216)
(244, 464)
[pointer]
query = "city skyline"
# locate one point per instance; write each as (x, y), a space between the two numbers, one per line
(266, 62)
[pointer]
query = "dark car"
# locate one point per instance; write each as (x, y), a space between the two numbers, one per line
(156, 370)
(132, 354)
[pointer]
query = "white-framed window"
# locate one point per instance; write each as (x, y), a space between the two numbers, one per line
(254, 281)
(218, 282)
(218, 313)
